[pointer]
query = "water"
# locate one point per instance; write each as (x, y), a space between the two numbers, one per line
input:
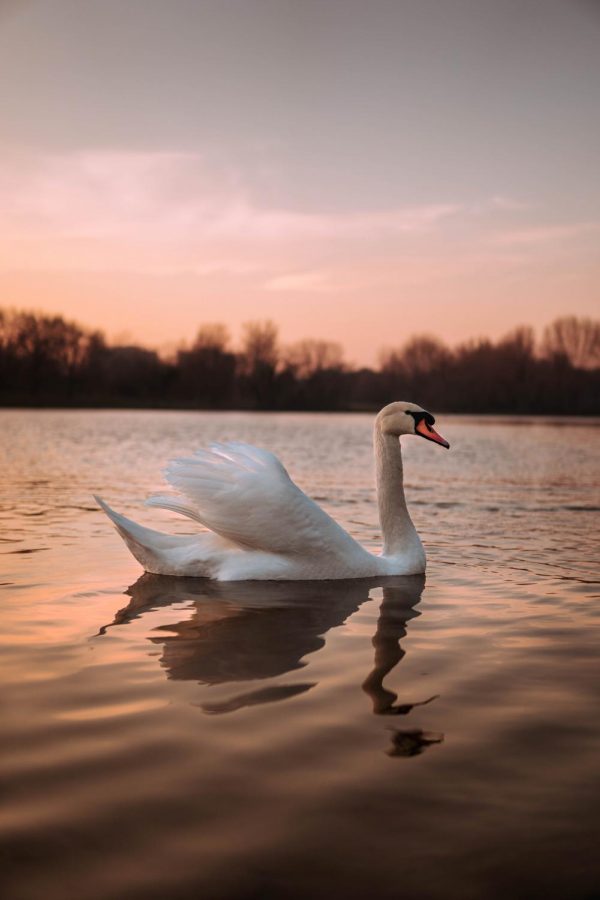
(181, 739)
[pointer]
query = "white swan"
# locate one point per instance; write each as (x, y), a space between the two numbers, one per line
(263, 527)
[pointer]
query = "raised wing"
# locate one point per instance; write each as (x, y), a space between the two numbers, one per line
(244, 494)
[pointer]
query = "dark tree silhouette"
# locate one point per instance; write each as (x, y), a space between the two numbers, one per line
(416, 369)
(306, 358)
(258, 364)
(45, 360)
(206, 372)
(316, 373)
(576, 339)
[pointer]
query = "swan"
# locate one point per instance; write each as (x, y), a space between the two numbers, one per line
(261, 526)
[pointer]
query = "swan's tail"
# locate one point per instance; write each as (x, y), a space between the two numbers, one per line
(157, 552)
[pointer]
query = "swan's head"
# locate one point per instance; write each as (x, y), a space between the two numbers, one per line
(407, 418)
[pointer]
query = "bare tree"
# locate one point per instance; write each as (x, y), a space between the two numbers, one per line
(212, 336)
(259, 346)
(206, 373)
(307, 357)
(576, 339)
(520, 342)
(419, 356)
(258, 364)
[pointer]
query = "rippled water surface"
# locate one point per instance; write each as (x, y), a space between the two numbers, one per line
(176, 738)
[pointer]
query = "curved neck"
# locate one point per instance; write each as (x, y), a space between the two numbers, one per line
(396, 526)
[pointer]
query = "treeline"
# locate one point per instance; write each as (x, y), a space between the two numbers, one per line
(47, 361)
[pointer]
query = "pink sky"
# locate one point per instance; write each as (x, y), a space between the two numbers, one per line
(434, 168)
(153, 244)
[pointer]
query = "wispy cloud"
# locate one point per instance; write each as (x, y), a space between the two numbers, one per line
(168, 195)
(163, 213)
(510, 204)
(545, 234)
(312, 282)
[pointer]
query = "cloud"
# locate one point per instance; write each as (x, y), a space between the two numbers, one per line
(106, 194)
(544, 234)
(170, 195)
(170, 213)
(315, 282)
(509, 204)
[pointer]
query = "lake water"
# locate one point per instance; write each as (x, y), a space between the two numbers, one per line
(176, 738)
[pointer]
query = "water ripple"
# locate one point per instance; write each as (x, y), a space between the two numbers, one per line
(179, 739)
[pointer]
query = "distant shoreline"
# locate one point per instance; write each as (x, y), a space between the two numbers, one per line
(322, 412)
(47, 362)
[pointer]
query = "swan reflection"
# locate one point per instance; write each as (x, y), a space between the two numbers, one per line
(252, 631)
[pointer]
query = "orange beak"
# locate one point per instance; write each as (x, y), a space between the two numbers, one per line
(426, 431)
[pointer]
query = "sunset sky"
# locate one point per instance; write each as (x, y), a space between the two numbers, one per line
(357, 171)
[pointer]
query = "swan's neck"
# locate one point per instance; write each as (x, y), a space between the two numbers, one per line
(399, 534)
